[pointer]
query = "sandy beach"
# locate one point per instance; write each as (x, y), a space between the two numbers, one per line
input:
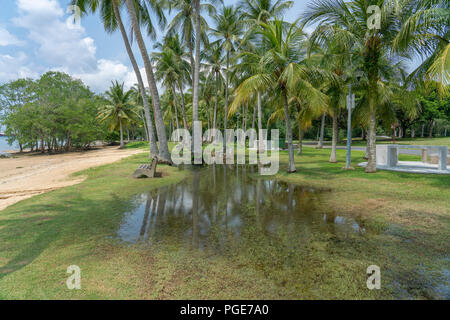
(30, 174)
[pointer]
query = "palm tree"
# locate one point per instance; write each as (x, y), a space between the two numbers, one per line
(329, 46)
(371, 44)
(164, 153)
(228, 29)
(119, 110)
(172, 70)
(213, 66)
(284, 73)
(184, 21)
(425, 32)
(263, 10)
(173, 43)
(111, 17)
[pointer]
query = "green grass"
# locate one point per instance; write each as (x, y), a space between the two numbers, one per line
(439, 141)
(408, 214)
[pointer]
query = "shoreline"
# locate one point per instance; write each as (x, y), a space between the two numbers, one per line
(25, 174)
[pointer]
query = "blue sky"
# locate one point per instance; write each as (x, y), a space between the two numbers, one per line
(35, 37)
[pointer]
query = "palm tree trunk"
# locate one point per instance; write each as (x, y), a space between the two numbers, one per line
(150, 131)
(254, 118)
(216, 102)
(122, 145)
(334, 138)
(291, 166)
(195, 88)
(164, 153)
(322, 129)
(430, 133)
(300, 140)
(175, 107)
(372, 152)
(260, 132)
(183, 106)
(226, 100)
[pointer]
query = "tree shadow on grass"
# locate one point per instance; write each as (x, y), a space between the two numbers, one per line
(65, 220)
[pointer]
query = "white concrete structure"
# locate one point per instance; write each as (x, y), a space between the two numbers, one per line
(387, 159)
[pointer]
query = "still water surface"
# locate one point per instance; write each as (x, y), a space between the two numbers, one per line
(221, 207)
(278, 228)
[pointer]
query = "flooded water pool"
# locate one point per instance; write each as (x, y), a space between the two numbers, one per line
(278, 230)
(221, 206)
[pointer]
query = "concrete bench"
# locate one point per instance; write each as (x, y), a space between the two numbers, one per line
(387, 154)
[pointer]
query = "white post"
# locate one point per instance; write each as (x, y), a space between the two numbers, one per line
(443, 152)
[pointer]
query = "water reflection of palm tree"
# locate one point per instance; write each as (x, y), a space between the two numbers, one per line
(195, 211)
(146, 214)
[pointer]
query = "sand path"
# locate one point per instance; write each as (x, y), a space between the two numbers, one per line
(32, 174)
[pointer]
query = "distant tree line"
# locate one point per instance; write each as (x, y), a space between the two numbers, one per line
(53, 113)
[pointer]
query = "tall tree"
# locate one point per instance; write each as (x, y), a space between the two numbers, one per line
(119, 110)
(111, 17)
(284, 74)
(164, 153)
(372, 42)
(228, 29)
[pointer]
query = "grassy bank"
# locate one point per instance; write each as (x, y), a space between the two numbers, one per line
(407, 218)
(439, 141)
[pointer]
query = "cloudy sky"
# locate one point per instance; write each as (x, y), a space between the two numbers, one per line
(37, 36)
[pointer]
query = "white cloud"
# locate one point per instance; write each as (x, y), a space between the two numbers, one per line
(12, 68)
(60, 46)
(58, 43)
(7, 39)
(99, 79)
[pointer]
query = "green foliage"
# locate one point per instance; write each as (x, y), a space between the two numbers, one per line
(54, 112)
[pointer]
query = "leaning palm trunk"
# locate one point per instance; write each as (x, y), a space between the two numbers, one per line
(322, 129)
(164, 153)
(291, 166)
(148, 120)
(372, 155)
(334, 138)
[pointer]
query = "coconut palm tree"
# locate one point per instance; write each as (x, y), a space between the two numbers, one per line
(171, 69)
(263, 10)
(228, 29)
(111, 17)
(284, 73)
(371, 44)
(173, 43)
(164, 153)
(213, 66)
(119, 109)
(183, 23)
(330, 47)
(424, 31)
